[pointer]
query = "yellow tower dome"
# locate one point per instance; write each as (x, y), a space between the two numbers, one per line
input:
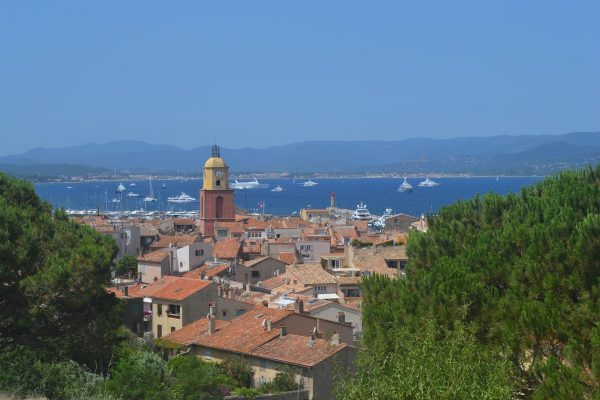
(216, 172)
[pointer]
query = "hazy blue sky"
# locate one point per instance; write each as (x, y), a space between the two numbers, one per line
(257, 73)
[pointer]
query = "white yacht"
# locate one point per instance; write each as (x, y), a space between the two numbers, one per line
(405, 186)
(310, 183)
(133, 194)
(361, 213)
(182, 198)
(115, 200)
(277, 188)
(428, 183)
(132, 184)
(379, 223)
(253, 184)
(150, 197)
(121, 188)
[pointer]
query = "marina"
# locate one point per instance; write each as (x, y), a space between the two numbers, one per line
(378, 193)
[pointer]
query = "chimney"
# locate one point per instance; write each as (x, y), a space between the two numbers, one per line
(313, 334)
(126, 291)
(318, 327)
(211, 311)
(220, 291)
(269, 325)
(341, 317)
(282, 331)
(335, 339)
(299, 306)
(212, 325)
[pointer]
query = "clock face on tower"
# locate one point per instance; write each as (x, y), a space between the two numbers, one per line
(219, 173)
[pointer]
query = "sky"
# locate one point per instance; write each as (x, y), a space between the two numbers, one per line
(262, 73)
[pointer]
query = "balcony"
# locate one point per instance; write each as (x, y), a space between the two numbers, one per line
(147, 316)
(174, 315)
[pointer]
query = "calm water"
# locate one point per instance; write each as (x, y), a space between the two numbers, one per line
(377, 194)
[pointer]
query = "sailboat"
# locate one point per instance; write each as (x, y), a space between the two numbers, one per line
(150, 197)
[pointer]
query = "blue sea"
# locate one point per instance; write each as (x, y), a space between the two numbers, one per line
(377, 193)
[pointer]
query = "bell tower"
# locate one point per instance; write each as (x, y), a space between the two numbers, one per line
(216, 199)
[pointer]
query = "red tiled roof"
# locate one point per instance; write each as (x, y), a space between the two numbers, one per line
(206, 270)
(184, 221)
(298, 350)
(154, 256)
(242, 334)
(309, 274)
(288, 257)
(173, 288)
(273, 282)
(234, 227)
(252, 263)
(227, 248)
(175, 241)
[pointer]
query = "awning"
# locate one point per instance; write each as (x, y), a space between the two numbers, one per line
(328, 296)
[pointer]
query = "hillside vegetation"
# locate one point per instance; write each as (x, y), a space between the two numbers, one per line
(513, 282)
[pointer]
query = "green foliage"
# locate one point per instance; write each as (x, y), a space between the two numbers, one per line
(522, 269)
(138, 375)
(194, 379)
(238, 369)
(284, 381)
(125, 265)
(23, 374)
(52, 281)
(358, 244)
(432, 363)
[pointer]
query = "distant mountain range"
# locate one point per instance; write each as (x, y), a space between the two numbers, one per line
(525, 154)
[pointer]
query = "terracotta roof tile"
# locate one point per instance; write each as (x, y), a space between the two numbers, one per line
(154, 256)
(173, 288)
(227, 248)
(273, 282)
(175, 241)
(252, 263)
(288, 257)
(298, 350)
(309, 274)
(234, 227)
(207, 270)
(242, 334)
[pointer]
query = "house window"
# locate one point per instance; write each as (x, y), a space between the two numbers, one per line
(180, 264)
(263, 364)
(159, 310)
(224, 313)
(174, 311)
(222, 233)
(351, 292)
(334, 263)
(254, 234)
(255, 274)
(199, 253)
(305, 256)
(172, 329)
(320, 288)
(159, 331)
